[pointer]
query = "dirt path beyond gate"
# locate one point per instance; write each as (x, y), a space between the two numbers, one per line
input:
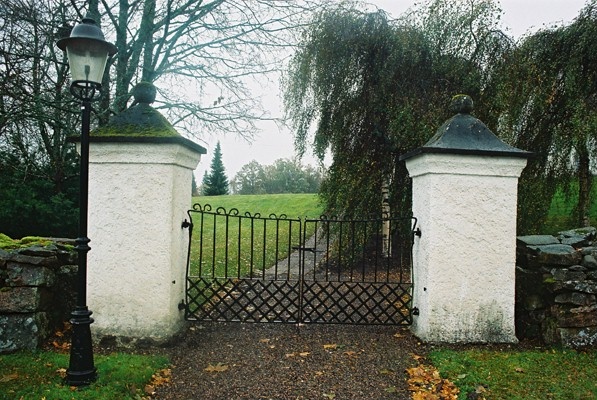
(276, 361)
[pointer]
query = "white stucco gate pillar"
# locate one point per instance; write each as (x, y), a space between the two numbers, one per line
(140, 182)
(465, 183)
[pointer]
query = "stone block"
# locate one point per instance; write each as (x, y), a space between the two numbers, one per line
(584, 286)
(587, 233)
(578, 337)
(39, 251)
(29, 275)
(23, 299)
(22, 331)
(3, 258)
(557, 254)
(536, 240)
(575, 241)
(589, 261)
(34, 260)
(578, 317)
(565, 274)
(576, 298)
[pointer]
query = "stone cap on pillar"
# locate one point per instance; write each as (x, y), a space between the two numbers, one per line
(141, 123)
(465, 134)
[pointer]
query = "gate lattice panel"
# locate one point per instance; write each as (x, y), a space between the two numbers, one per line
(249, 268)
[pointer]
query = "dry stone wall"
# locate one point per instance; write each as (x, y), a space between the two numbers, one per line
(556, 288)
(36, 294)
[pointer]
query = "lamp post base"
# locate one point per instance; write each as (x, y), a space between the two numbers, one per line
(81, 370)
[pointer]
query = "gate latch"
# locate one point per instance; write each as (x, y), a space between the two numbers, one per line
(311, 249)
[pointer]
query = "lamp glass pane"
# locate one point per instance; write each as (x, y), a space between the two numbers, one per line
(87, 60)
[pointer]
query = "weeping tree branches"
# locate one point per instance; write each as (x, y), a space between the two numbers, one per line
(549, 87)
(367, 89)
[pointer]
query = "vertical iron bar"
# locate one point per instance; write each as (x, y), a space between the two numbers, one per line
(289, 249)
(201, 241)
(226, 236)
(276, 249)
(388, 263)
(327, 248)
(340, 249)
(365, 236)
(352, 249)
(301, 277)
(263, 264)
(186, 281)
(81, 369)
(213, 247)
(252, 251)
(238, 250)
(379, 248)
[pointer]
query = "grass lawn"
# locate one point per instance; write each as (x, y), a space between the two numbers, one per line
(561, 211)
(520, 375)
(239, 245)
(293, 205)
(39, 375)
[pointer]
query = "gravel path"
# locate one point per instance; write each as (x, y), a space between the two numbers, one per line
(276, 361)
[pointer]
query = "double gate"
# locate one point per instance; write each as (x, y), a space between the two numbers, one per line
(253, 268)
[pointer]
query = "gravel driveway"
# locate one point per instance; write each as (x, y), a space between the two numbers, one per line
(277, 361)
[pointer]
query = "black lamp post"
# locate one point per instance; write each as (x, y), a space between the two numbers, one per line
(87, 53)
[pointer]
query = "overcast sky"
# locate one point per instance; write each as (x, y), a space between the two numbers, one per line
(519, 17)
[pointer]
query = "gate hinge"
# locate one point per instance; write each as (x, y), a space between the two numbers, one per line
(182, 306)
(417, 232)
(415, 311)
(186, 224)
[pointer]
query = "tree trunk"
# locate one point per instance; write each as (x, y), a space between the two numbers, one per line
(584, 187)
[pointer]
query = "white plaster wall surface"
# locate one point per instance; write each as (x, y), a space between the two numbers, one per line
(137, 202)
(464, 261)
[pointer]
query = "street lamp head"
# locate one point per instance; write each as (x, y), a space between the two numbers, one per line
(87, 53)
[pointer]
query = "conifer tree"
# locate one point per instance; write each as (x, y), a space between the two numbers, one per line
(215, 182)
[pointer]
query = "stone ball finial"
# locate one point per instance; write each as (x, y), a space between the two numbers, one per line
(144, 93)
(462, 104)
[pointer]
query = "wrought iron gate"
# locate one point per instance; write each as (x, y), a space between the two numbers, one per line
(251, 268)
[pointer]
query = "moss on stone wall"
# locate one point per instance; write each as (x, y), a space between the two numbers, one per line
(8, 243)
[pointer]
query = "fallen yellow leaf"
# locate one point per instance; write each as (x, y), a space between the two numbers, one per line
(10, 377)
(219, 367)
(149, 389)
(332, 346)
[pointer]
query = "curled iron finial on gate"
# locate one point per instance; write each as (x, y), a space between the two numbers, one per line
(274, 216)
(223, 211)
(199, 207)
